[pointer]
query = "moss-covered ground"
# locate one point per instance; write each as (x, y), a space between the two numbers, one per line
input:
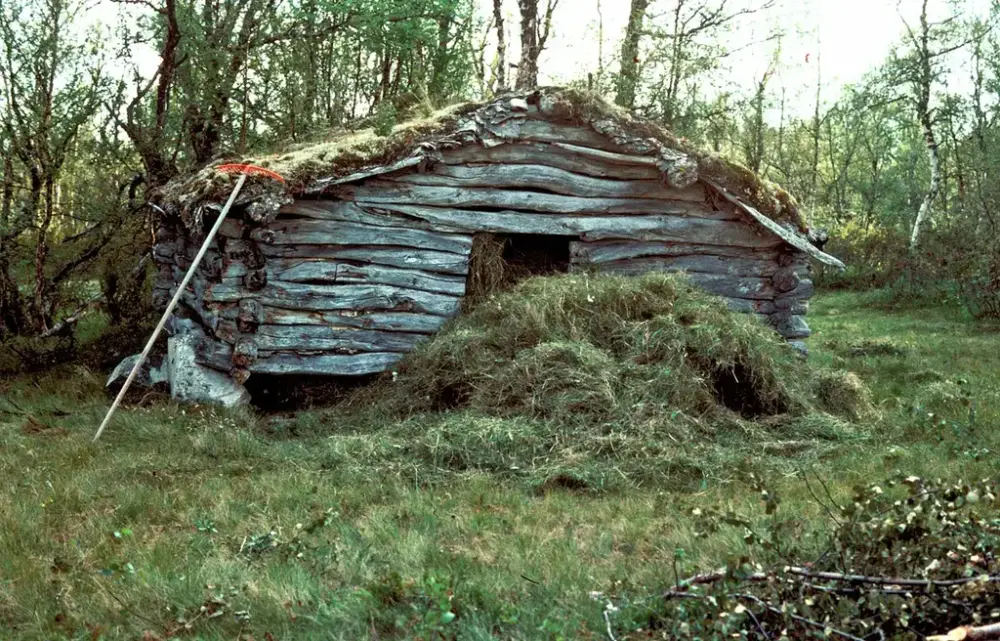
(194, 523)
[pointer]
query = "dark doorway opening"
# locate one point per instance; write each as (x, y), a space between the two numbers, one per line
(276, 393)
(500, 261)
(536, 255)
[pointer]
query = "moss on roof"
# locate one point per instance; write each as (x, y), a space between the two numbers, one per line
(349, 152)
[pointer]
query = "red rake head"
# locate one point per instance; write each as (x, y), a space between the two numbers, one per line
(250, 170)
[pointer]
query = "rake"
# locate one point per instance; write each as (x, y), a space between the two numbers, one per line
(243, 170)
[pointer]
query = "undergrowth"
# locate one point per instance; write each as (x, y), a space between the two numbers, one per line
(197, 523)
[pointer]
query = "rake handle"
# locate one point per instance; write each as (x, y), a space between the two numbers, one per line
(173, 304)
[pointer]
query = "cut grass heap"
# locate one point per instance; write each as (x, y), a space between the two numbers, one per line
(588, 378)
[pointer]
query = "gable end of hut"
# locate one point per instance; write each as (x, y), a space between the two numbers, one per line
(358, 269)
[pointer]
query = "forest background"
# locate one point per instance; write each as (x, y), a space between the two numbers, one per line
(883, 120)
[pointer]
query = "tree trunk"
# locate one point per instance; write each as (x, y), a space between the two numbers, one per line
(11, 313)
(527, 68)
(501, 47)
(628, 78)
(924, 78)
(934, 161)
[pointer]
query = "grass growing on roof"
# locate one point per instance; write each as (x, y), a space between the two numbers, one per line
(345, 152)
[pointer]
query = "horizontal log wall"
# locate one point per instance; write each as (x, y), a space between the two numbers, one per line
(349, 281)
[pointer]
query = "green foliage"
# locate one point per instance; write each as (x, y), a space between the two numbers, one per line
(385, 119)
(943, 533)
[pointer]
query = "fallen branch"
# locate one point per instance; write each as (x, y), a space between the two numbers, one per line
(795, 617)
(879, 580)
(756, 577)
(970, 633)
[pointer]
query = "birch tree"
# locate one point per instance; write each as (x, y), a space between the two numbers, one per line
(921, 69)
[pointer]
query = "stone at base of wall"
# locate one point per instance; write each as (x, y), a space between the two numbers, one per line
(800, 347)
(194, 383)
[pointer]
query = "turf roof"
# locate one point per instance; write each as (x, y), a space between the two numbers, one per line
(343, 154)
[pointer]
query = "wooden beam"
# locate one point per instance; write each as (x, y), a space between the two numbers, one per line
(326, 364)
(793, 238)
(313, 232)
(327, 272)
(391, 256)
(319, 338)
(549, 155)
(608, 156)
(351, 212)
(615, 250)
(517, 222)
(323, 298)
(726, 265)
(384, 191)
(550, 179)
(386, 321)
(550, 132)
(317, 186)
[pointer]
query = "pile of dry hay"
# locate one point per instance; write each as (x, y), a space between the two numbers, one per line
(600, 379)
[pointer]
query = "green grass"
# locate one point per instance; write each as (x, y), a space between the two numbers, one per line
(171, 512)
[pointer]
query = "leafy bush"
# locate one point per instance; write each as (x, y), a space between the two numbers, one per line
(902, 559)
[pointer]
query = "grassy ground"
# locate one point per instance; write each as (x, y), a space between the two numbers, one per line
(200, 524)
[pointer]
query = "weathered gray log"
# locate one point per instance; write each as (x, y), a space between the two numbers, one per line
(351, 212)
(406, 257)
(385, 191)
(386, 321)
(318, 186)
(552, 156)
(726, 265)
(746, 287)
(608, 156)
(249, 314)
(319, 338)
(799, 306)
(793, 238)
(734, 286)
(549, 179)
(790, 327)
(803, 291)
(243, 251)
(255, 279)
(340, 297)
(314, 232)
(608, 251)
(622, 226)
(327, 364)
(246, 349)
(326, 272)
(218, 356)
(164, 251)
(592, 228)
(548, 132)
(786, 279)
(193, 300)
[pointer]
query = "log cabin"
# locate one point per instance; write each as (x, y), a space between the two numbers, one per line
(371, 245)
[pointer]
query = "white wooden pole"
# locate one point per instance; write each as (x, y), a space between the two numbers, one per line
(172, 305)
